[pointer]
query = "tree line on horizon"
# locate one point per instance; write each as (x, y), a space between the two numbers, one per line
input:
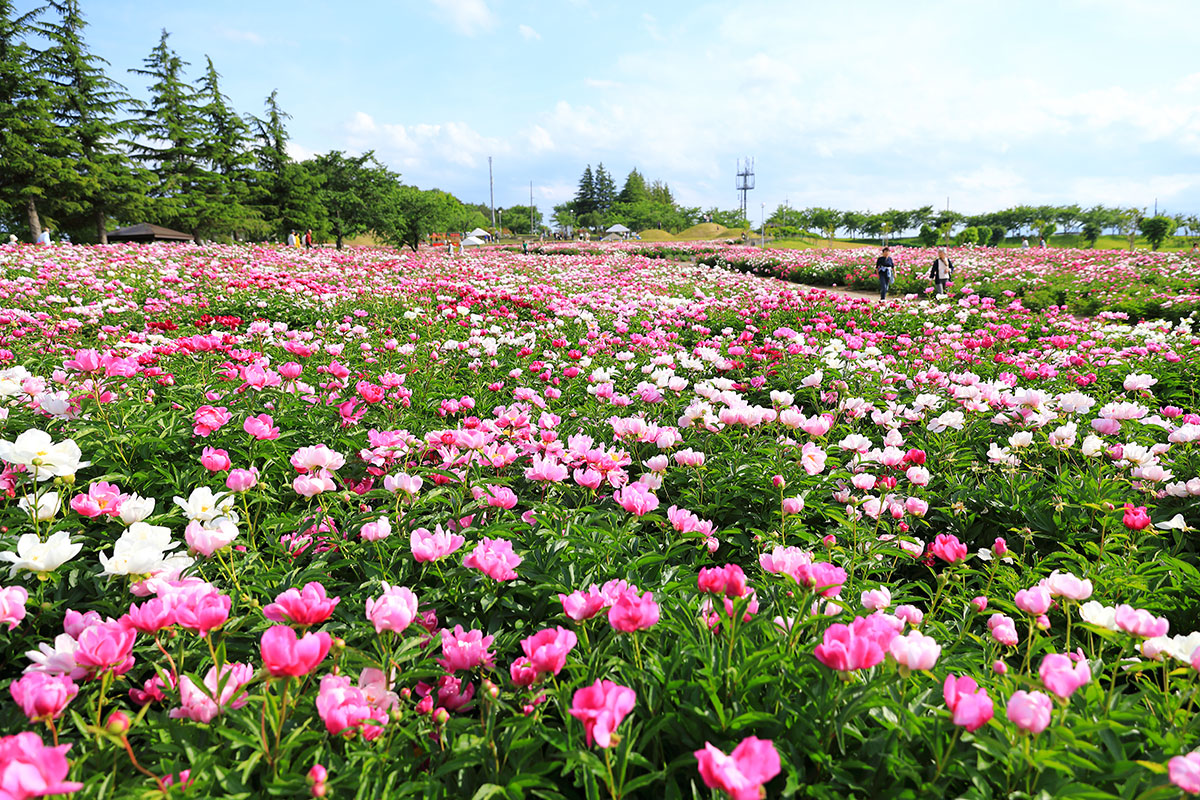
(81, 155)
(951, 227)
(640, 205)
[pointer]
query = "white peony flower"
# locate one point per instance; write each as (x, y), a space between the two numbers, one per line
(37, 556)
(202, 505)
(36, 451)
(136, 508)
(44, 509)
(1101, 616)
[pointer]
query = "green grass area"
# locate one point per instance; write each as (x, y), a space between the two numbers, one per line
(817, 243)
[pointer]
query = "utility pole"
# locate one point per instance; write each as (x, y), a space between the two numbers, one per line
(531, 208)
(491, 192)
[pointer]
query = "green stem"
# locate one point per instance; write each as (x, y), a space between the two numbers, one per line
(612, 784)
(941, 764)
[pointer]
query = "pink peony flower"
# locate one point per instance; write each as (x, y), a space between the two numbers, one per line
(1064, 584)
(215, 460)
(464, 649)
(547, 649)
(822, 577)
(742, 773)
(632, 612)
(202, 611)
(601, 707)
(500, 497)
(580, 606)
(860, 645)
(1139, 622)
(522, 672)
(12, 605)
(970, 705)
(28, 768)
(1135, 517)
(285, 654)
(303, 607)
(948, 548)
(202, 705)
(42, 696)
(242, 480)
(1029, 711)
(345, 709)
(1003, 629)
(636, 499)
(105, 647)
(394, 610)
(313, 484)
(494, 558)
(151, 616)
(1184, 772)
(208, 419)
(1034, 600)
(101, 499)
(1061, 675)
(261, 427)
(428, 546)
(915, 651)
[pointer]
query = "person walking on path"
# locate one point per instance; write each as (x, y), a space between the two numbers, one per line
(308, 239)
(292, 239)
(887, 273)
(941, 272)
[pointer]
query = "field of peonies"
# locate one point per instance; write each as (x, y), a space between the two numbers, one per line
(595, 524)
(1133, 286)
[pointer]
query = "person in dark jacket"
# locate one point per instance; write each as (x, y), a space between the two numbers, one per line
(941, 272)
(887, 273)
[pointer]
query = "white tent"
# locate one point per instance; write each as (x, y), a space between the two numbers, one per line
(618, 228)
(472, 241)
(480, 233)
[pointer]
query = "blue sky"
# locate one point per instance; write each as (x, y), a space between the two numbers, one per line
(853, 104)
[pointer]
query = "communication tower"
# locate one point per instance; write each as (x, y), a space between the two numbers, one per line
(745, 180)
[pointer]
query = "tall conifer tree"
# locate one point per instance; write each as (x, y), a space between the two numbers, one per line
(99, 179)
(169, 140)
(30, 153)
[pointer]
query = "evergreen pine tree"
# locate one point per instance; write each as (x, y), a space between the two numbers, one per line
(605, 190)
(285, 193)
(225, 149)
(31, 158)
(99, 180)
(169, 139)
(585, 198)
(634, 190)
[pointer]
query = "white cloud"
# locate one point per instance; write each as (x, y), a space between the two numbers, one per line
(539, 139)
(468, 17)
(250, 37)
(428, 147)
(299, 152)
(651, 25)
(1141, 191)
(528, 33)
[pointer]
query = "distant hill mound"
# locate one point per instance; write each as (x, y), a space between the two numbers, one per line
(705, 230)
(656, 235)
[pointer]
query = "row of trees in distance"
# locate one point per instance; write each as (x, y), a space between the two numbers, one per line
(949, 226)
(80, 155)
